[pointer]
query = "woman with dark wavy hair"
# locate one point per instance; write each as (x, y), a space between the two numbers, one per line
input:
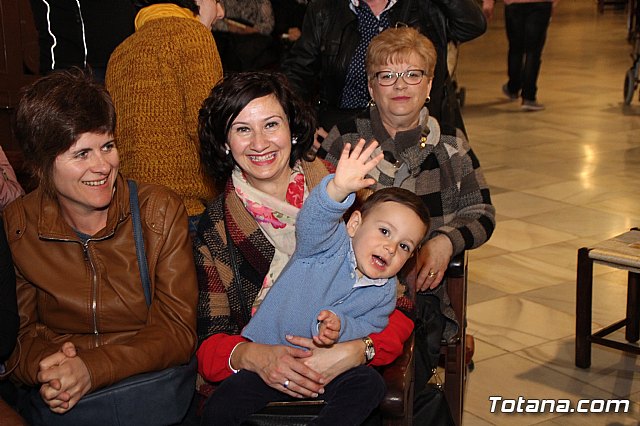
(228, 100)
(254, 135)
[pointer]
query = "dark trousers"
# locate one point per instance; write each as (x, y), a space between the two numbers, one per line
(349, 398)
(527, 25)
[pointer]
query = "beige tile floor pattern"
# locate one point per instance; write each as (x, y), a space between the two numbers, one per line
(561, 179)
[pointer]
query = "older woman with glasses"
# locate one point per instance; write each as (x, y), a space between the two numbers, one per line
(434, 161)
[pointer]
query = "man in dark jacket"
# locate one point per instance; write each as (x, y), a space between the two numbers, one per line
(329, 56)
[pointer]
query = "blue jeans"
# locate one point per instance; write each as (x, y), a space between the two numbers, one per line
(526, 25)
(349, 398)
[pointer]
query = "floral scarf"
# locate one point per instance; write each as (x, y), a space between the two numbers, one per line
(277, 220)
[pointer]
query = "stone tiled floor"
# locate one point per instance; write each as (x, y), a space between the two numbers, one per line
(561, 179)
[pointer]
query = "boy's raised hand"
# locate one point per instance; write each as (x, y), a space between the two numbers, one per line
(352, 169)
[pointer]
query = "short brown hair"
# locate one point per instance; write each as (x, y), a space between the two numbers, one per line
(54, 112)
(397, 44)
(400, 196)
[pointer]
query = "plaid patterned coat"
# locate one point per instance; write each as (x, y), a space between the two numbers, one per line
(438, 165)
(221, 307)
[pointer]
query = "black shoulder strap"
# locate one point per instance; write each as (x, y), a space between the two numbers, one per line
(137, 237)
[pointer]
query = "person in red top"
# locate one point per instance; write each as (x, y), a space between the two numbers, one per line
(254, 134)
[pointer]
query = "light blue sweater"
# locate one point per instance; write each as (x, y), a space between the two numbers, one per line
(321, 274)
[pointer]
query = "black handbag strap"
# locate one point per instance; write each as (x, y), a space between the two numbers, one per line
(137, 237)
(234, 264)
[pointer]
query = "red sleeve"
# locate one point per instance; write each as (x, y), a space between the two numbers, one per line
(389, 343)
(213, 356)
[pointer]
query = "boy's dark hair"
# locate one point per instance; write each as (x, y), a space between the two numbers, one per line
(400, 196)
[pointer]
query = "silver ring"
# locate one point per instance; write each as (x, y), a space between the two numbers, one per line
(286, 384)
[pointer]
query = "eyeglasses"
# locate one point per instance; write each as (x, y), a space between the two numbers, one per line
(389, 78)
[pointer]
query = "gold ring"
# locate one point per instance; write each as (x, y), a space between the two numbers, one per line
(432, 274)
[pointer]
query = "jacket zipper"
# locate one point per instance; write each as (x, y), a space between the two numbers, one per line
(94, 292)
(94, 280)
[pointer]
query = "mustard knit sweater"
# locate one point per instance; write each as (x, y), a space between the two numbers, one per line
(158, 78)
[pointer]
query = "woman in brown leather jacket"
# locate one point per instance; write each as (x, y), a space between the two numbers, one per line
(84, 320)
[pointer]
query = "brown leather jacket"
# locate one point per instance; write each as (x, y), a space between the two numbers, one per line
(91, 294)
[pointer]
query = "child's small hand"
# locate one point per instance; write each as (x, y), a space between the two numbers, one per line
(329, 329)
(352, 169)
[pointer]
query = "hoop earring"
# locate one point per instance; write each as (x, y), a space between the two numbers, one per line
(426, 101)
(294, 140)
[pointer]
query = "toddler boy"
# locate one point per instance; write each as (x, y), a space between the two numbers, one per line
(340, 283)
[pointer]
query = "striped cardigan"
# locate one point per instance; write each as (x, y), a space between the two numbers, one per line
(220, 304)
